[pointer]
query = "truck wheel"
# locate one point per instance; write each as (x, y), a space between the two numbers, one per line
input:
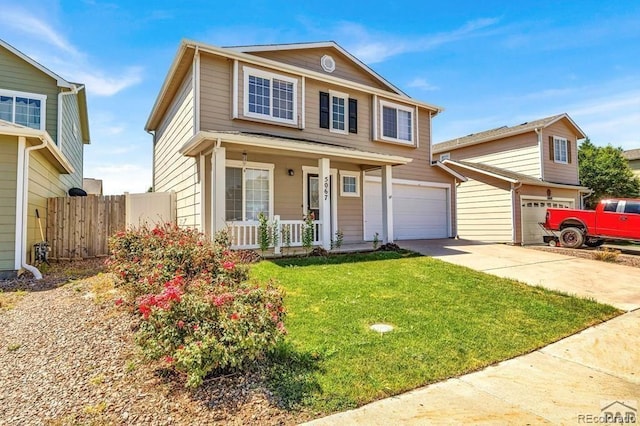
(571, 237)
(594, 242)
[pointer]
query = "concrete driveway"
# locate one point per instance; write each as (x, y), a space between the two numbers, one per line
(567, 382)
(613, 284)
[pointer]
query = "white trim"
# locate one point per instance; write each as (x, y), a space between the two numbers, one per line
(302, 106)
(350, 173)
(17, 261)
(418, 128)
(252, 165)
(449, 170)
(397, 107)
(196, 91)
(234, 95)
(560, 139)
(345, 98)
(306, 170)
(247, 72)
(481, 171)
(29, 95)
(374, 118)
(202, 180)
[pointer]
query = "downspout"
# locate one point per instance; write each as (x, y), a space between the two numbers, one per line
(74, 91)
(514, 188)
(153, 165)
(25, 204)
(541, 149)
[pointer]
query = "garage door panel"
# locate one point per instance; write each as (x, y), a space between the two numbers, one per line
(419, 211)
(533, 212)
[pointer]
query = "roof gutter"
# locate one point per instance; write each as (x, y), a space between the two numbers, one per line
(22, 204)
(74, 91)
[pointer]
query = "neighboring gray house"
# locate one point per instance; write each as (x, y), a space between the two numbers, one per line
(43, 129)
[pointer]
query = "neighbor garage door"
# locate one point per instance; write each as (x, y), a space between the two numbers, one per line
(533, 212)
(420, 211)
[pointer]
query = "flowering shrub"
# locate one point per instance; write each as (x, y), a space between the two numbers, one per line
(197, 312)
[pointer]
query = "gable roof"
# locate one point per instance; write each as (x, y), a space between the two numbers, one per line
(186, 51)
(506, 131)
(61, 82)
(507, 175)
(316, 45)
(632, 154)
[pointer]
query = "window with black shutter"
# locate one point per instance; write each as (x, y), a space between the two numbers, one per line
(353, 115)
(324, 110)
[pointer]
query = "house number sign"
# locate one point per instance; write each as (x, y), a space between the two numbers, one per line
(326, 188)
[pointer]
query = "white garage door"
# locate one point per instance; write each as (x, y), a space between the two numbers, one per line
(419, 211)
(533, 212)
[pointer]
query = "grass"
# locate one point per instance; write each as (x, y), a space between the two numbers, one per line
(9, 299)
(448, 321)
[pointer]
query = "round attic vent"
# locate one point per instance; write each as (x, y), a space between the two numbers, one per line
(328, 63)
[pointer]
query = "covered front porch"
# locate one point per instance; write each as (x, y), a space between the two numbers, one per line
(305, 191)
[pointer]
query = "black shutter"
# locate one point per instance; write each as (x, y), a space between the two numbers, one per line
(551, 154)
(353, 115)
(324, 110)
(568, 151)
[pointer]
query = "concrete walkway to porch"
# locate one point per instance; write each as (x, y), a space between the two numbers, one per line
(567, 382)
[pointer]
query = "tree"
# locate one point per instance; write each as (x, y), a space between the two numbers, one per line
(606, 172)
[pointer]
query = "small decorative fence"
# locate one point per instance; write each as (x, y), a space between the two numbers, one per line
(245, 234)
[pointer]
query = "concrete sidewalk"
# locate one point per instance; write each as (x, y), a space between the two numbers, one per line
(563, 383)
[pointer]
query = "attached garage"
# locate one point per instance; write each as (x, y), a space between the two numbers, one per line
(420, 209)
(533, 211)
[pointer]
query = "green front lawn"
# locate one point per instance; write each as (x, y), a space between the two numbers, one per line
(448, 321)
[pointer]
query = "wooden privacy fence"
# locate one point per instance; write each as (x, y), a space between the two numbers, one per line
(80, 227)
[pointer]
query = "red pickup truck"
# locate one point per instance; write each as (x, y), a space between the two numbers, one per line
(617, 219)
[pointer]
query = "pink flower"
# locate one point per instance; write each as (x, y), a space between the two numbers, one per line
(196, 327)
(119, 301)
(169, 359)
(180, 324)
(234, 316)
(145, 310)
(228, 265)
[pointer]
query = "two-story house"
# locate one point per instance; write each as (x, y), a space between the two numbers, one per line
(43, 129)
(289, 130)
(514, 174)
(633, 159)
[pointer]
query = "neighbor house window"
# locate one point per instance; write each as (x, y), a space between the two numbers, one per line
(349, 183)
(270, 96)
(397, 122)
(26, 109)
(248, 191)
(445, 156)
(559, 150)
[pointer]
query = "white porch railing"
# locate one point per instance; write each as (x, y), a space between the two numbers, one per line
(245, 234)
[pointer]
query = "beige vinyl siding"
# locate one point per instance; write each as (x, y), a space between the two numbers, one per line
(17, 74)
(557, 172)
(71, 140)
(44, 182)
(8, 176)
(485, 211)
(173, 171)
(310, 59)
(524, 160)
(634, 165)
(540, 191)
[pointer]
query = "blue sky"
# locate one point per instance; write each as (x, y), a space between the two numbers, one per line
(488, 63)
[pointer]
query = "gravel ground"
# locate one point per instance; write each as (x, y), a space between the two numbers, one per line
(589, 253)
(67, 358)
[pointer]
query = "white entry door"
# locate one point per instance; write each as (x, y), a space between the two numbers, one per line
(420, 211)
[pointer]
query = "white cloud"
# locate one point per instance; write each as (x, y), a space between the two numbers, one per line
(51, 48)
(377, 47)
(422, 84)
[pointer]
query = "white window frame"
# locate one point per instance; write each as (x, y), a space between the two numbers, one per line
(252, 165)
(398, 107)
(248, 71)
(345, 98)
(557, 143)
(28, 95)
(445, 156)
(349, 173)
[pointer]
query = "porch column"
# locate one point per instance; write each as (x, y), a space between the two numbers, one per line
(324, 180)
(387, 205)
(218, 175)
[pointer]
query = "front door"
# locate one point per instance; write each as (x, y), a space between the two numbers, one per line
(313, 197)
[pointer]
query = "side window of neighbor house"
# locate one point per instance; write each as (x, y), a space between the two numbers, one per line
(26, 109)
(338, 112)
(559, 150)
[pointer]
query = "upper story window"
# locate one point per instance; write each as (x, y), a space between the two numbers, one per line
(338, 112)
(26, 109)
(559, 150)
(270, 96)
(397, 122)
